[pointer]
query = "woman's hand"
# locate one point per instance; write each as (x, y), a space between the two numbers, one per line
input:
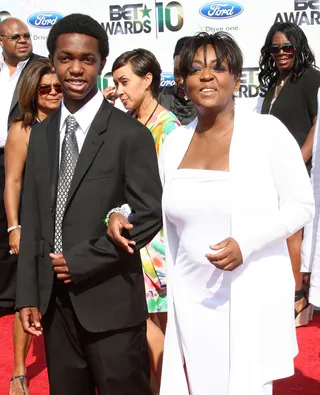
(110, 94)
(118, 222)
(230, 256)
(14, 240)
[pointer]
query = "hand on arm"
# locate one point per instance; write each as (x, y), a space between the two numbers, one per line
(117, 223)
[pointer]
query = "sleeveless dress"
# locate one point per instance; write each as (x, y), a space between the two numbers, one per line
(152, 256)
(198, 204)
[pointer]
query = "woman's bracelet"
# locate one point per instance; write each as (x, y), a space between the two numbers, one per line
(13, 228)
(125, 210)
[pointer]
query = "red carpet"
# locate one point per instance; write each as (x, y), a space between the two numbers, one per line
(306, 381)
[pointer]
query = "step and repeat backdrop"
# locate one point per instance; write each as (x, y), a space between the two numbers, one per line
(157, 25)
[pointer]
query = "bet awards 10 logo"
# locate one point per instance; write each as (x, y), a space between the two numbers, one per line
(138, 18)
(305, 12)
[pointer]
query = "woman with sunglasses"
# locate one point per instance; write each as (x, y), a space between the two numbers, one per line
(39, 95)
(289, 82)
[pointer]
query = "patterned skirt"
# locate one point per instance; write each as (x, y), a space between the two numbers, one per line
(153, 264)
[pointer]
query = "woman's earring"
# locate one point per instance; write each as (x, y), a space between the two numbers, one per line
(302, 57)
(271, 63)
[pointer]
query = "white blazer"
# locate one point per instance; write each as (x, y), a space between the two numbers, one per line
(310, 257)
(272, 199)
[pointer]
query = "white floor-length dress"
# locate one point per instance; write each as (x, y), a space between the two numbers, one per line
(198, 205)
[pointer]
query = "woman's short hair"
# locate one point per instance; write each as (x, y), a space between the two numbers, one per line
(28, 89)
(224, 45)
(304, 56)
(142, 62)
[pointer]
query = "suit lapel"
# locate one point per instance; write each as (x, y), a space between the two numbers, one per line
(53, 149)
(91, 147)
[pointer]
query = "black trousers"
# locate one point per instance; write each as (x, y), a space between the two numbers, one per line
(81, 363)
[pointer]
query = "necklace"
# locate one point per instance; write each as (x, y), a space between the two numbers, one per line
(154, 110)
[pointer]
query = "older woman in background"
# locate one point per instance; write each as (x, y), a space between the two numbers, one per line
(290, 81)
(39, 95)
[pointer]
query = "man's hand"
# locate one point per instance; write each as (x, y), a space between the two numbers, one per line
(117, 222)
(30, 319)
(229, 257)
(60, 267)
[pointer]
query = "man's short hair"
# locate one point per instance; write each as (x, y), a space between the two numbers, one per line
(81, 24)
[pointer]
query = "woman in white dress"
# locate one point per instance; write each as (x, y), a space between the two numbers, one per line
(235, 187)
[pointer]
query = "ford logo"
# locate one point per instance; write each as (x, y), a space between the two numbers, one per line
(44, 19)
(221, 10)
(166, 79)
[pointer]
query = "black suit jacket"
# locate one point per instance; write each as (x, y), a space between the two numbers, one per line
(117, 165)
(14, 107)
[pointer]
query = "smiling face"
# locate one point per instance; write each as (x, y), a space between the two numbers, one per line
(15, 51)
(283, 61)
(130, 88)
(48, 102)
(209, 86)
(77, 62)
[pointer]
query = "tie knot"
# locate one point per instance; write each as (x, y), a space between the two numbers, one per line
(71, 124)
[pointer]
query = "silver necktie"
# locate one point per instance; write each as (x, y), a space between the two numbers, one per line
(69, 158)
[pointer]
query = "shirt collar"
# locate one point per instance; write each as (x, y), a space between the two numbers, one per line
(84, 116)
(20, 65)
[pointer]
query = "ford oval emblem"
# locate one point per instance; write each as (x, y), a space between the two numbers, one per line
(44, 19)
(167, 79)
(221, 10)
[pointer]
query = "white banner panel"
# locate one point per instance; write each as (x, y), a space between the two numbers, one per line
(157, 25)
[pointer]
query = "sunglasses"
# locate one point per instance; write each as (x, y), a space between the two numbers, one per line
(286, 48)
(16, 37)
(46, 89)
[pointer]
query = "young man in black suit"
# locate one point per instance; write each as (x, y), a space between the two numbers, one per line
(84, 160)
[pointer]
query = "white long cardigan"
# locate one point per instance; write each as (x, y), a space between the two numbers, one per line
(272, 199)
(310, 257)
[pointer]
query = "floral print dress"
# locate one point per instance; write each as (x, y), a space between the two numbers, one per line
(152, 255)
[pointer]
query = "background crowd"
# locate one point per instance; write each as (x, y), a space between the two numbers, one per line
(122, 278)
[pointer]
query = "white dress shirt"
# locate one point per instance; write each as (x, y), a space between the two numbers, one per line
(84, 117)
(7, 86)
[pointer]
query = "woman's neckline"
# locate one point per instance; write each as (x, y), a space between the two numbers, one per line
(204, 170)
